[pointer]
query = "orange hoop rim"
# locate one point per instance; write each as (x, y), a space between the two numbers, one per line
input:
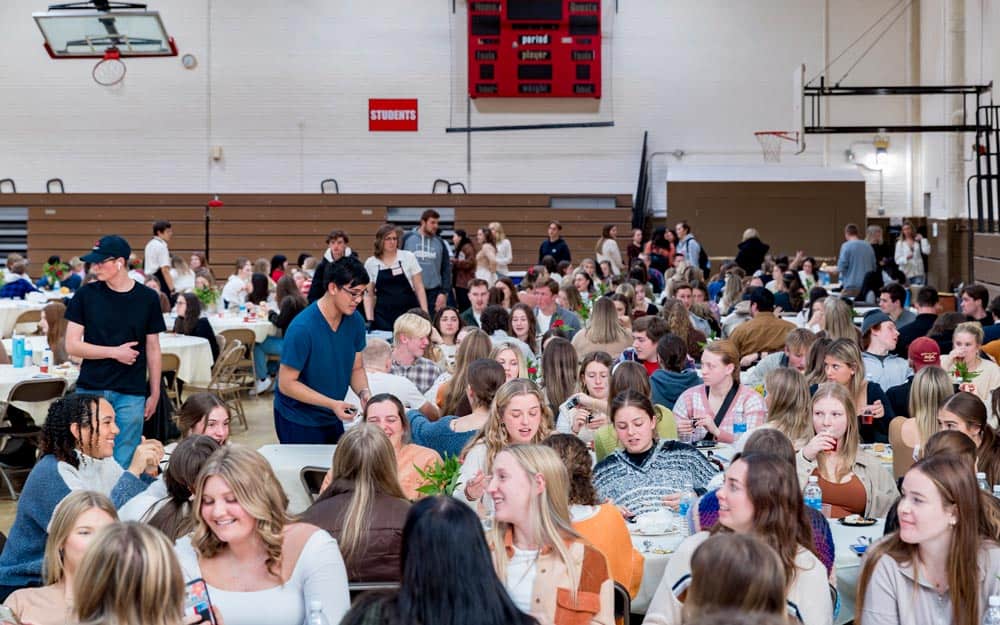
(787, 135)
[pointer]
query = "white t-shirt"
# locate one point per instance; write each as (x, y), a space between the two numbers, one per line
(402, 388)
(404, 258)
(521, 572)
(543, 321)
(235, 290)
(156, 255)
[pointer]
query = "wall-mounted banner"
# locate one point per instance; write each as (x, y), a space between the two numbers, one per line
(392, 115)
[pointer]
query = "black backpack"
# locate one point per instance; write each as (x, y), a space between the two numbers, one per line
(703, 262)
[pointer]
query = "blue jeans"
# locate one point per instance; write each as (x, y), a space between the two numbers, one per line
(129, 419)
(270, 346)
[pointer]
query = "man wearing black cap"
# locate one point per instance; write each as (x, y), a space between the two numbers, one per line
(114, 326)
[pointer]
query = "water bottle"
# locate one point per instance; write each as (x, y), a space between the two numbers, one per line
(739, 425)
(996, 491)
(316, 616)
(46, 360)
(993, 613)
(687, 499)
(981, 480)
(28, 358)
(18, 357)
(814, 494)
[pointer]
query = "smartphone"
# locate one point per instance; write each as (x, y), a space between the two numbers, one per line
(351, 410)
(197, 602)
(703, 444)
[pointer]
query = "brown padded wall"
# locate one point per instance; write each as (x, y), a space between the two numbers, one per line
(788, 215)
(258, 225)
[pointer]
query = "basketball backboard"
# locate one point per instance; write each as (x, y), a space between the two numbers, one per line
(798, 108)
(75, 33)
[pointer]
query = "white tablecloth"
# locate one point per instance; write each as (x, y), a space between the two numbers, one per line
(9, 311)
(288, 460)
(846, 561)
(262, 328)
(9, 377)
(195, 355)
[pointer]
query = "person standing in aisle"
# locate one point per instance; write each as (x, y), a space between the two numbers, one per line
(433, 256)
(156, 257)
(554, 246)
(114, 325)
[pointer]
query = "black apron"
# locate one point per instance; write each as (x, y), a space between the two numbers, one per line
(393, 296)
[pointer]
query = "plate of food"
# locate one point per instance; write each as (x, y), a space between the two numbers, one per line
(856, 520)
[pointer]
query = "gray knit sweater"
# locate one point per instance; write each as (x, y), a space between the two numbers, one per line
(641, 489)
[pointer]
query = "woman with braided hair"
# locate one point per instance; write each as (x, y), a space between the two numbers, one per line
(78, 443)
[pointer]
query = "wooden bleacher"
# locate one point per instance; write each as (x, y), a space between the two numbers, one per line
(260, 225)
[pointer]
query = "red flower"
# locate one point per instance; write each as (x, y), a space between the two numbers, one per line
(532, 370)
(558, 323)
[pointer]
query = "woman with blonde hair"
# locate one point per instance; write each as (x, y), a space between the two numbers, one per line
(852, 480)
(512, 359)
(395, 281)
(966, 342)
(129, 574)
(77, 518)
(675, 314)
(943, 563)
(732, 292)
(255, 559)
(930, 389)
(786, 396)
(518, 415)
(549, 571)
(844, 365)
(607, 249)
(53, 325)
(721, 407)
(911, 248)
(604, 332)
(451, 394)
(362, 505)
(505, 255)
(759, 498)
(838, 320)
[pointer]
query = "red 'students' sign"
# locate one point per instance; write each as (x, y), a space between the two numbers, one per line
(392, 115)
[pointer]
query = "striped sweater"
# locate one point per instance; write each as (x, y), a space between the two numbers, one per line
(641, 489)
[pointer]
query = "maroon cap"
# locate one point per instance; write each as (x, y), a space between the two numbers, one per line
(924, 351)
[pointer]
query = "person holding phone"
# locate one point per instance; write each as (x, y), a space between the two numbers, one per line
(260, 565)
(75, 522)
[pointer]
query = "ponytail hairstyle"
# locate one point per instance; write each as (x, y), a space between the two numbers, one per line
(174, 518)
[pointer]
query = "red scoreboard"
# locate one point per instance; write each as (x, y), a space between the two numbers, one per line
(535, 48)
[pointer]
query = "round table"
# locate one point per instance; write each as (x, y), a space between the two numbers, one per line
(10, 309)
(195, 354)
(261, 327)
(10, 376)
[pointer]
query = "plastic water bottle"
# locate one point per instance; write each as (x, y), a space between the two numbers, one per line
(993, 613)
(981, 480)
(18, 356)
(316, 616)
(687, 502)
(740, 425)
(814, 494)
(46, 360)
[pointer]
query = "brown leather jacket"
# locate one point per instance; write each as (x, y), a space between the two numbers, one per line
(379, 561)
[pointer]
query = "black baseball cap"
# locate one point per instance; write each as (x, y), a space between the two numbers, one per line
(111, 246)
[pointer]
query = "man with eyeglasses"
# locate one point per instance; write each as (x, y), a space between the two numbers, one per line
(114, 325)
(320, 357)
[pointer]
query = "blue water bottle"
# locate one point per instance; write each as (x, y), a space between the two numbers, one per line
(18, 356)
(739, 425)
(813, 495)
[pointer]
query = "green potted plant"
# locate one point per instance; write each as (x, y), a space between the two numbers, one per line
(441, 478)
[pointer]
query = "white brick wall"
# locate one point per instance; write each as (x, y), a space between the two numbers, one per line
(283, 89)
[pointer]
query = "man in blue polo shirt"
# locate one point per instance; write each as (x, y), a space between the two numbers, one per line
(320, 356)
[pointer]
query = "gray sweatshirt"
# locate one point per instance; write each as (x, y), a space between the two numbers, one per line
(433, 256)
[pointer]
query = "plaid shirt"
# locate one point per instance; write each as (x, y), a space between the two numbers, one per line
(422, 372)
(694, 403)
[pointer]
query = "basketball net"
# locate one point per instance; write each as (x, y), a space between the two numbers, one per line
(770, 143)
(110, 70)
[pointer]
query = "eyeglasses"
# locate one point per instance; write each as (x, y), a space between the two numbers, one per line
(355, 295)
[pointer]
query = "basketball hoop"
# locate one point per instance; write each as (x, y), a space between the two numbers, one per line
(110, 70)
(770, 143)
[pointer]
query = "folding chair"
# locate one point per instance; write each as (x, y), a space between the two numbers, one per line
(21, 437)
(623, 604)
(244, 372)
(28, 317)
(171, 363)
(223, 382)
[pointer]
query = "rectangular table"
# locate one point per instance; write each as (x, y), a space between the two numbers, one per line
(288, 461)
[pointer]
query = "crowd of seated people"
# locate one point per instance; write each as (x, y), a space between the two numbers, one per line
(575, 402)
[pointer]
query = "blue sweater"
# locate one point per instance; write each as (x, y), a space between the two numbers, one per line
(46, 486)
(438, 435)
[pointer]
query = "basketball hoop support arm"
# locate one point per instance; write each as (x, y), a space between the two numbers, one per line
(99, 5)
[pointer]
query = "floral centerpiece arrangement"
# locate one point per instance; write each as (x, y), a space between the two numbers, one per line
(55, 273)
(207, 296)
